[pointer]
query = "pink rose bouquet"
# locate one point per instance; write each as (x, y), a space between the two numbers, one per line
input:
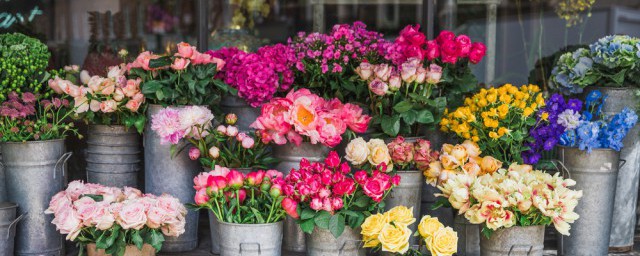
(233, 197)
(111, 100)
(321, 193)
(519, 196)
(113, 218)
(186, 78)
(302, 113)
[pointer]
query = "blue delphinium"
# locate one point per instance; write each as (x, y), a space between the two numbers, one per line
(587, 135)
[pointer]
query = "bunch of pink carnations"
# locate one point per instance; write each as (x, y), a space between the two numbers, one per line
(302, 113)
(111, 100)
(87, 213)
(254, 198)
(174, 124)
(319, 191)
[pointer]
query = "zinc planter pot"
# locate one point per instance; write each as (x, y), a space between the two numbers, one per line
(515, 241)
(246, 113)
(596, 174)
(131, 250)
(250, 239)
(408, 193)
(624, 215)
(8, 222)
(174, 176)
(322, 243)
(468, 236)
(290, 156)
(113, 155)
(3, 186)
(35, 172)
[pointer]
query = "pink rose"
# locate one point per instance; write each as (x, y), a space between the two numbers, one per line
(108, 106)
(395, 180)
(132, 193)
(173, 226)
(336, 203)
(316, 204)
(365, 70)
(54, 85)
(345, 187)
(86, 207)
(434, 74)
(133, 105)
(103, 218)
(107, 87)
(478, 50)
(132, 87)
(360, 177)
(171, 205)
(401, 152)
(180, 64)
(132, 216)
(374, 188)
(75, 189)
(408, 70)
(94, 105)
(383, 71)
(394, 83)
(421, 75)
(433, 50)
(463, 43)
(412, 35)
(201, 197)
(58, 201)
(378, 87)
(156, 216)
(68, 223)
(449, 52)
(445, 36)
(327, 206)
(185, 50)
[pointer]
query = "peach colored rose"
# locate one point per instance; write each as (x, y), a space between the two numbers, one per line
(180, 64)
(155, 216)
(185, 50)
(132, 87)
(490, 164)
(472, 148)
(132, 105)
(108, 106)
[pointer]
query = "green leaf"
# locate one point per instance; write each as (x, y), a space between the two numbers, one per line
(361, 201)
(336, 225)
(137, 239)
(156, 240)
(307, 214)
(425, 116)
(322, 219)
(391, 125)
(150, 87)
(307, 226)
(159, 95)
(409, 117)
(403, 106)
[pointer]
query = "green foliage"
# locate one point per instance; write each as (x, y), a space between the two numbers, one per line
(23, 63)
(115, 240)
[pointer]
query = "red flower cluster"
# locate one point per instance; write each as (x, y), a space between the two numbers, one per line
(447, 47)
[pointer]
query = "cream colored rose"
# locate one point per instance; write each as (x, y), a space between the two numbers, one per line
(472, 169)
(446, 148)
(459, 152)
(379, 153)
(395, 238)
(498, 217)
(443, 242)
(400, 215)
(472, 148)
(433, 172)
(474, 215)
(428, 226)
(490, 164)
(373, 224)
(449, 161)
(357, 151)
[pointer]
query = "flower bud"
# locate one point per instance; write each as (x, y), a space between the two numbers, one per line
(194, 153)
(231, 119)
(214, 152)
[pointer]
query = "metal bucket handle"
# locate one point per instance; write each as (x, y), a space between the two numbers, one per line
(14, 222)
(564, 169)
(60, 163)
(622, 163)
(258, 244)
(521, 246)
(345, 244)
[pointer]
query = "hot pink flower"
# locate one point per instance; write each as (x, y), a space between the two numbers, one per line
(235, 179)
(395, 180)
(272, 124)
(478, 50)
(445, 36)
(336, 203)
(201, 197)
(463, 43)
(201, 181)
(316, 204)
(291, 207)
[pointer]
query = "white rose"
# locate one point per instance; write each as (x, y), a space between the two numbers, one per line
(357, 151)
(379, 153)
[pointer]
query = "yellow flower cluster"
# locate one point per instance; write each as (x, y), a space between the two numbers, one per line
(461, 158)
(390, 232)
(493, 199)
(493, 113)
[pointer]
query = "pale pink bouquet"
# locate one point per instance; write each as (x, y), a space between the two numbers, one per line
(174, 124)
(304, 114)
(113, 218)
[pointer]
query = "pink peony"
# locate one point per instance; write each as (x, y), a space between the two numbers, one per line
(166, 123)
(235, 179)
(201, 197)
(248, 143)
(291, 207)
(200, 181)
(194, 153)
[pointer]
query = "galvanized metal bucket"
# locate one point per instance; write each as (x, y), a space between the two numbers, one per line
(246, 113)
(113, 156)
(8, 235)
(596, 174)
(35, 172)
(408, 193)
(624, 215)
(290, 156)
(250, 239)
(3, 187)
(214, 232)
(515, 241)
(468, 236)
(322, 243)
(174, 176)
(445, 215)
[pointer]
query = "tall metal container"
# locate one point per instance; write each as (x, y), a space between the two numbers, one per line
(8, 222)
(3, 187)
(408, 193)
(515, 241)
(245, 112)
(174, 176)
(624, 209)
(250, 239)
(596, 174)
(113, 155)
(290, 156)
(444, 214)
(322, 243)
(468, 236)
(35, 172)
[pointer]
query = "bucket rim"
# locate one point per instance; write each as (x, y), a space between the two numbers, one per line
(616, 88)
(250, 225)
(8, 205)
(594, 149)
(31, 141)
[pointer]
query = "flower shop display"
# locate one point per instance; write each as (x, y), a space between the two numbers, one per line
(112, 219)
(186, 78)
(249, 209)
(329, 203)
(113, 106)
(514, 201)
(410, 94)
(498, 119)
(390, 233)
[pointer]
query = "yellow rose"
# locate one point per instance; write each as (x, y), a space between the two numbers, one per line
(395, 238)
(433, 172)
(502, 131)
(459, 152)
(428, 225)
(370, 241)
(490, 164)
(400, 215)
(357, 151)
(373, 224)
(379, 153)
(472, 148)
(527, 111)
(446, 148)
(443, 242)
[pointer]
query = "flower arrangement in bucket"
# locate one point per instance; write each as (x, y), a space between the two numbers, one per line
(114, 218)
(186, 78)
(29, 109)
(424, 76)
(390, 232)
(326, 195)
(519, 196)
(498, 119)
(398, 155)
(610, 61)
(302, 113)
(459, 159)
(111, 100)
(589, 129)
(175, 124)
